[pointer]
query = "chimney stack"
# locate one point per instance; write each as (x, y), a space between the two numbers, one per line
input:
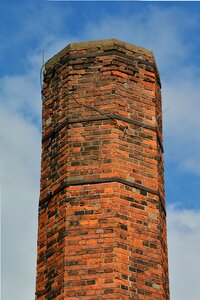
(102, 217)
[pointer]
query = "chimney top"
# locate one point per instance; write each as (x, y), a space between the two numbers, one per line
(99, 46)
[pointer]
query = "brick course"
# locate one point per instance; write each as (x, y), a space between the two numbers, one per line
(102, 218)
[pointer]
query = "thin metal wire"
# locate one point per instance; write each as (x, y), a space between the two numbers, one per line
(92, 108)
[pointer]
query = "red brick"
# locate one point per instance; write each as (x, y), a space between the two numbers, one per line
(102, 222)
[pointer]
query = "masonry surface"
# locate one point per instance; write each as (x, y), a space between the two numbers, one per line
(102, 218)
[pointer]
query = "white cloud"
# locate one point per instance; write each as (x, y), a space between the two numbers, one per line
(19, 179)
(20, 95)
(181, 122)
(184, 249)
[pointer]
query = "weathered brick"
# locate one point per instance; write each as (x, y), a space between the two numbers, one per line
(102, 221)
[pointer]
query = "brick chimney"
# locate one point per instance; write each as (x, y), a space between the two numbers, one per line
(102, 217)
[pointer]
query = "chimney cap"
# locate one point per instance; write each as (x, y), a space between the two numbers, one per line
(102, 45)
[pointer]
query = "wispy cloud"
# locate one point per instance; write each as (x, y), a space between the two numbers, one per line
(184, 249)
(19, 180)
(182, 121)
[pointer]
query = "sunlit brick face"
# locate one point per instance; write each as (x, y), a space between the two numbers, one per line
(102, 217)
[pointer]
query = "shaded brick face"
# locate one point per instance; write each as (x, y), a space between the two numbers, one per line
(102, 218)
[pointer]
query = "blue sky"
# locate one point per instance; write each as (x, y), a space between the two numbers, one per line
(172, 31)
